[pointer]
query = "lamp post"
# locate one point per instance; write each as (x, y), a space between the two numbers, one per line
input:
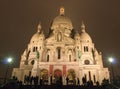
(9, 61)
(111, 60)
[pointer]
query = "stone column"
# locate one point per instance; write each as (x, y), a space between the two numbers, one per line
(64, 80)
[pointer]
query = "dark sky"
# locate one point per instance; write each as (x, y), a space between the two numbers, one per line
(19, 19)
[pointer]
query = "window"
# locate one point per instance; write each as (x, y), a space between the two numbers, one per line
(33, 49)
(47, 58)
(94, 78)
(59, 55)
(85, 48)
(86, 62)
(36, 48)
(89, 75)
(32, 62)
(27, 56)
(70, 58)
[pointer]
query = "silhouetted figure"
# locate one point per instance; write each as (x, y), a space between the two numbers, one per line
(60, 79)
(67, 80)
(20, 83)
(25, 78)
(105, 82)
(97, 83)
(31, 80)
(41, 82)
(91, 83)
(35, 80)
(84, 80)
(51, 79)
(78, 81)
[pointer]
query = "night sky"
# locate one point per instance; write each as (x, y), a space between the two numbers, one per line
(19, 20)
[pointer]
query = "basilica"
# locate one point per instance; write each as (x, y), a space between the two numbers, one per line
(65, 55)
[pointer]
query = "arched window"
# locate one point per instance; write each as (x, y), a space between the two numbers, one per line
(33, 49)
(32, 62)
(94, 78)
(85, 48)
(59, 53)
(47, 58)
(70, 58)
(89, 75)
(36, 48)
(86, 62)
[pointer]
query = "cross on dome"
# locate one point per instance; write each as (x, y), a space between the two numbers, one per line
(62, 11)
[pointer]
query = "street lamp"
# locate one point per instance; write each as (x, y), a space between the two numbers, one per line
(9, 61)
(111, 60)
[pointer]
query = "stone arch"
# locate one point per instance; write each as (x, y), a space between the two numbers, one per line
(31, 61)
(44, 74)
(87, 58)
(71, 74)
(57, 74)
(86, 62)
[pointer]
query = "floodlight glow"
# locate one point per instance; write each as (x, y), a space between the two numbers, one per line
(9, 60)
(111, 60)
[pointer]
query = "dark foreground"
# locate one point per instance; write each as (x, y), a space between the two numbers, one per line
(52, 87)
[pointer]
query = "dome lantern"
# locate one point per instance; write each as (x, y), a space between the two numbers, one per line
(39, 27)
(83, 27)
(62, 11)
(62, 21)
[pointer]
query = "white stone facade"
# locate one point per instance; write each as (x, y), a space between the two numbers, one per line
(62, 55)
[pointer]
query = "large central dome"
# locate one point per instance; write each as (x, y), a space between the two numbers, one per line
(62, 21)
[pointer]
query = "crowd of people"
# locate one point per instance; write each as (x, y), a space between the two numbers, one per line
(36, 81)
(30, 80)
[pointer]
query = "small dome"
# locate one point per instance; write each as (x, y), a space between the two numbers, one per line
(35, 37)
(62, 20)
(85, 37)
(38, 35)
(77, 34)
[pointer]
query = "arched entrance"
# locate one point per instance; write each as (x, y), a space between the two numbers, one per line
(58, 76)
(71, 76)
(44, 76)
